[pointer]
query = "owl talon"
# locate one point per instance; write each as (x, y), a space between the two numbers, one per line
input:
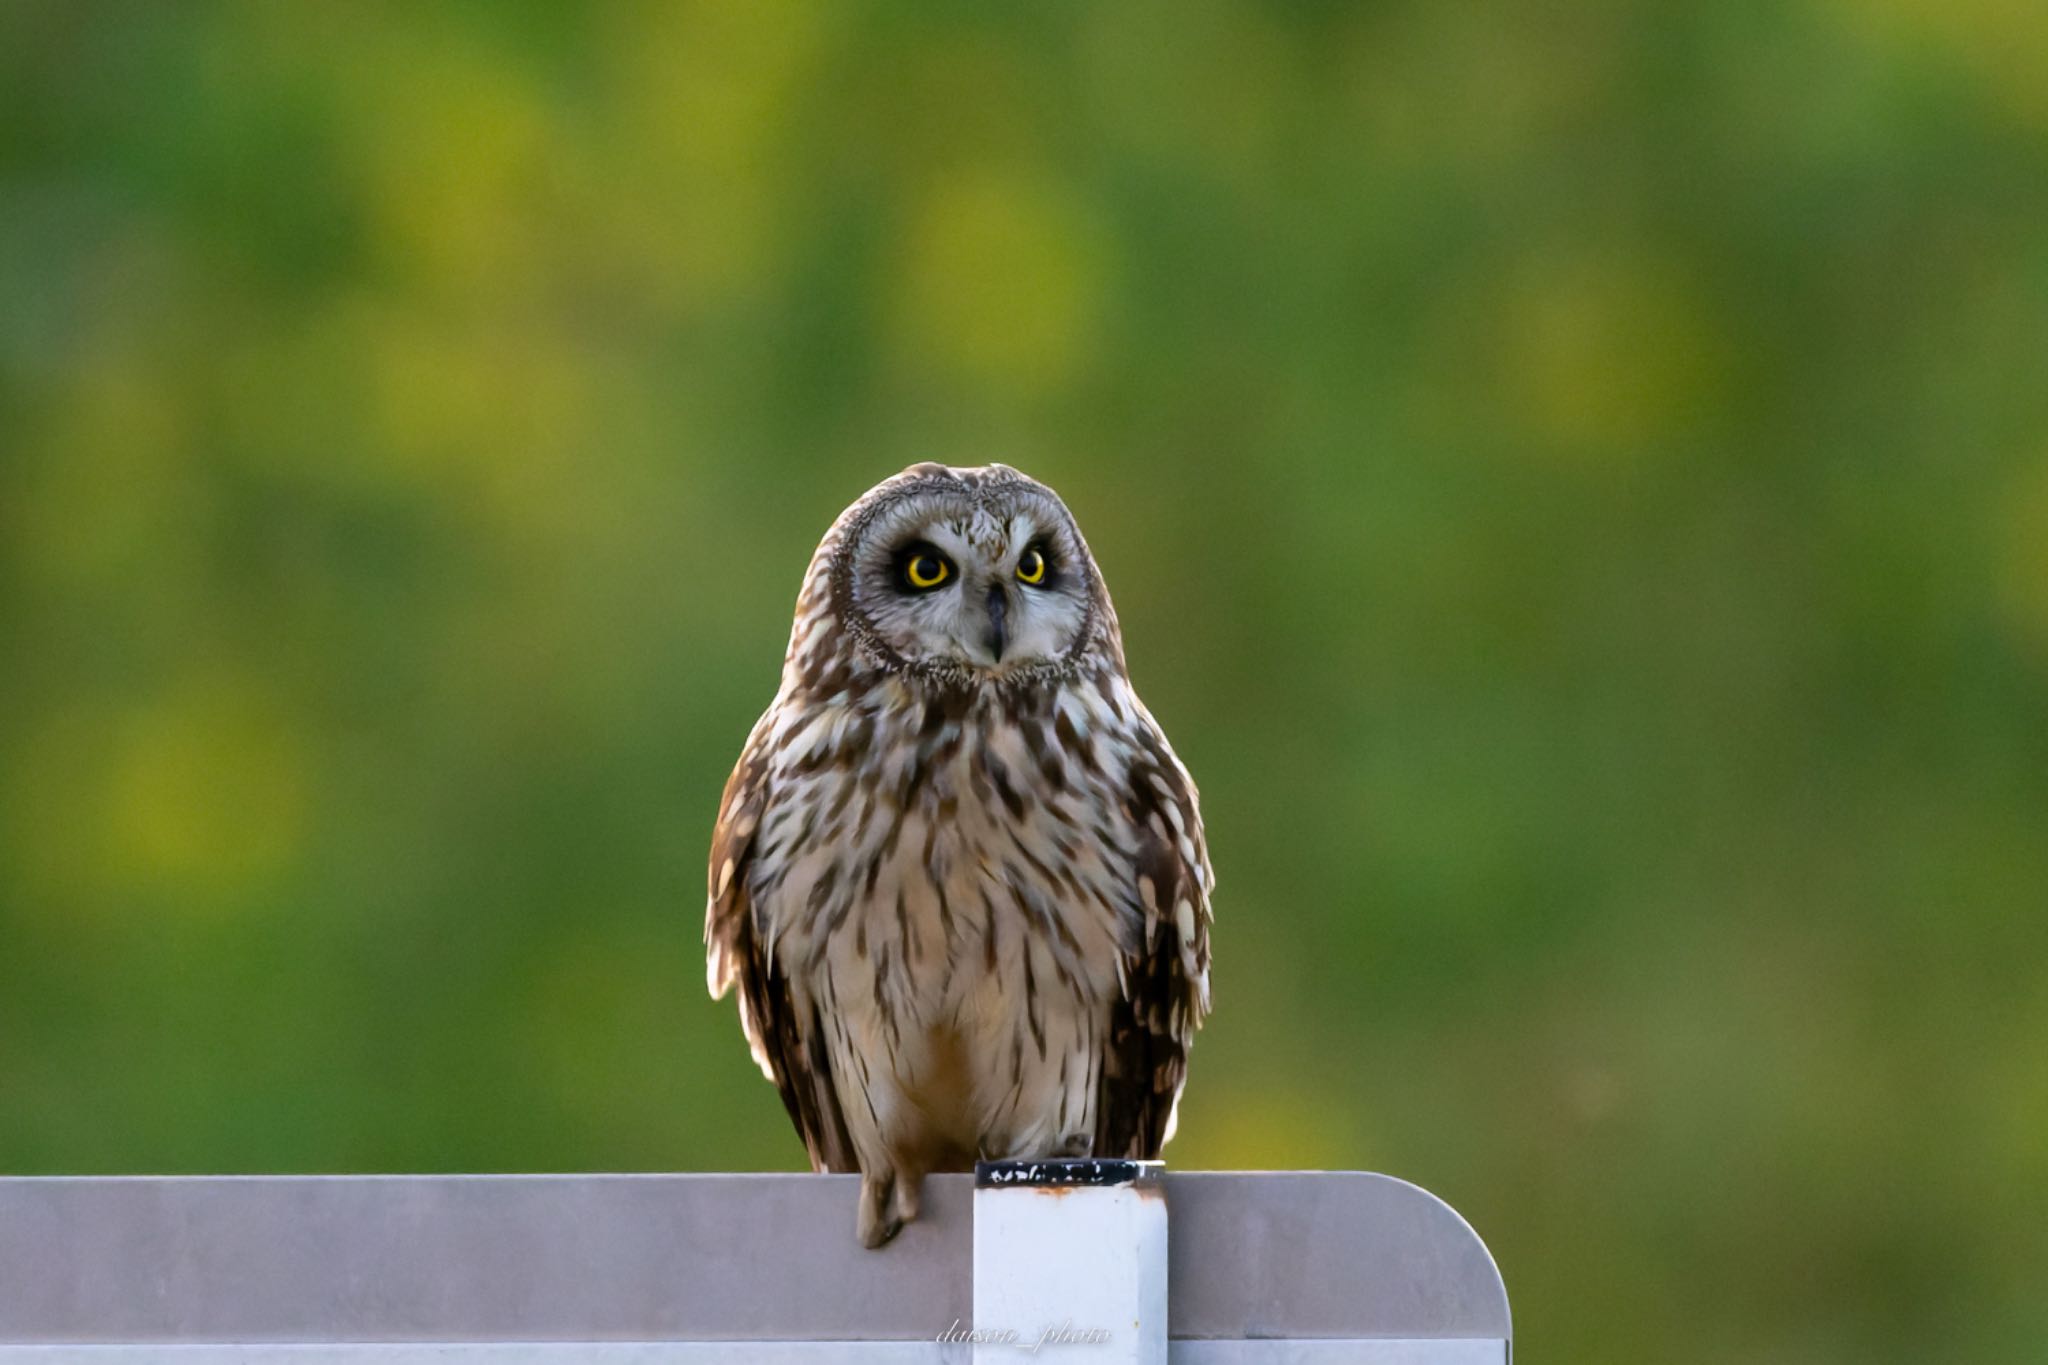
(880, 1218)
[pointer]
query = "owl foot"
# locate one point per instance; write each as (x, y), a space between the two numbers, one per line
(1076, 1145)
(886, 1204)
(888, 1200)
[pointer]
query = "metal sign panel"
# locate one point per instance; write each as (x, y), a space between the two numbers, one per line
(633, 1269)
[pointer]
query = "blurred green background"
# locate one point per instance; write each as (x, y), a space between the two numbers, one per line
(1574, 478)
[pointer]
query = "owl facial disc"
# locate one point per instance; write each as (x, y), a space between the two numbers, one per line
(966, 575)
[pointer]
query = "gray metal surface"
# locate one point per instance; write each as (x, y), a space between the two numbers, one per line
(652, 1258)
(1436, 1351)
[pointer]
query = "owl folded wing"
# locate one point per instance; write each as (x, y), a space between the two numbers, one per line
(789, 1047)
(1166, 968)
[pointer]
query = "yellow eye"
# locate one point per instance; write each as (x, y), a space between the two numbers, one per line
(925, 571)
(1031, 568)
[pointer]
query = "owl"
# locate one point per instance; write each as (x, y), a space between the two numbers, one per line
(958, 875)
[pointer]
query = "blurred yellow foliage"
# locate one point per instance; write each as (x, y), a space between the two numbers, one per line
(2020, 540)
(1605, 355)
(2002, 44)
(207, 796)
(1000, 284)
(103, 480)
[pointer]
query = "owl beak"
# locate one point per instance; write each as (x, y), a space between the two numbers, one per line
(998, 608)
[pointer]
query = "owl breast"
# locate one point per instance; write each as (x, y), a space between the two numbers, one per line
(946, 879)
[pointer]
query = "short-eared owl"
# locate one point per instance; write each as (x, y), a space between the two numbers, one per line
(958, 874)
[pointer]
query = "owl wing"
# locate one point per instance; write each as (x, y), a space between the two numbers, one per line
(789, 1047)
(1166, 971)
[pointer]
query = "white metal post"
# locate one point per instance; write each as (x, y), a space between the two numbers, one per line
(1069, 1261)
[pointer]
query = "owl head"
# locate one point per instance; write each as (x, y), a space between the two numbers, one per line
(962, 576)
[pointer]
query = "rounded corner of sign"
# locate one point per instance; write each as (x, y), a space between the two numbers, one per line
(1500, 1284)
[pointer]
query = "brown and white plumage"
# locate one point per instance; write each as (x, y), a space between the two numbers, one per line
(958, 873)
